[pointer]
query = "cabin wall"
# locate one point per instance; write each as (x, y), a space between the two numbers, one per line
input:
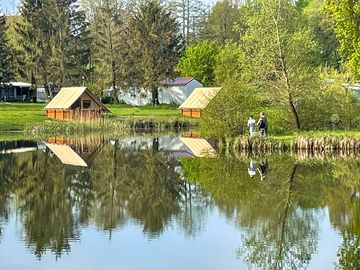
(93, 105)
(191, 112)
(87, 114)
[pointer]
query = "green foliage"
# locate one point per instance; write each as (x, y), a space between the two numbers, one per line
(153, 45)
(228, 111)
(199, 61)
(54, 41)
(229, 63)
(327, 43)
(220, 26)
(345, 17)
(6, 53)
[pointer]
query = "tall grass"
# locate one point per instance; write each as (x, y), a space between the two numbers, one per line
(115, 126)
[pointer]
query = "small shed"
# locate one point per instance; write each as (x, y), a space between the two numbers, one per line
(75, 103)
(198, 100)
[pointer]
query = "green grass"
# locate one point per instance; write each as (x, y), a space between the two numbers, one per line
(148, 110)
(14, 116)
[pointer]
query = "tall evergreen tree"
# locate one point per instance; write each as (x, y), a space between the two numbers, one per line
(222, 20)
(153, 39)
(6, 58)
(55, 40)
(33, 42)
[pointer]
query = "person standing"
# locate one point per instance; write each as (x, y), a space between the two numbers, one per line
(262, 123)
(251, 125)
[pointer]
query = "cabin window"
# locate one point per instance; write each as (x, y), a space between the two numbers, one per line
(76, 104)
(86, 104)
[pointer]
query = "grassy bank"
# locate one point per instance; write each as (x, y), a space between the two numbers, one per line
(16, 116)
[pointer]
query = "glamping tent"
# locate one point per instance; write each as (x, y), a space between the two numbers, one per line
(75, 103)
(170, 92)
(198, 100)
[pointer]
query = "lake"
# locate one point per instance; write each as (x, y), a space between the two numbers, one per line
(174, 203)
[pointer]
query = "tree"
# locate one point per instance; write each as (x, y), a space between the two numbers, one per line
(154, 46)
(324, 34)
(34, 43)
(279, 52)
(199, 61)
(222, 20)
(6, 57)
(345, 15)
(107, 22)
(191, 16)
(55, 42)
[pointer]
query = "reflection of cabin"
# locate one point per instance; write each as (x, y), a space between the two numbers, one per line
(198, 100)
(199, 147)
(75, 103)
(76, 151)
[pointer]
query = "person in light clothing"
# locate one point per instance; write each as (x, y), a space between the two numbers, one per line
(251, 125)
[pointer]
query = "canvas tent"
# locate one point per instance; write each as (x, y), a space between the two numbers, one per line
(170, 92)
(198, 100)
(74, 103)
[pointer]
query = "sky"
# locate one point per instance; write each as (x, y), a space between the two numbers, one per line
(10, 6)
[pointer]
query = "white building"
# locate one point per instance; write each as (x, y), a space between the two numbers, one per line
(172, 92)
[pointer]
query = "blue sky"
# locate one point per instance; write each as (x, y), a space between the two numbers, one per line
(9, 6)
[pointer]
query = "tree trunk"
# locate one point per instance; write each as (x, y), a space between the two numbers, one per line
(286, 77)
(279, 258)
(294, 112)
(155, 96)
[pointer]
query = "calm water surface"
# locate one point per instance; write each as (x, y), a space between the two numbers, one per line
(161, 203)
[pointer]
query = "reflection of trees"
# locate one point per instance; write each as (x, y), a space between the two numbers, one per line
(142, 185)
(281, 226)
(121, 184)
(45, 204)
(195, 205)
(344, 208)
(125, 184)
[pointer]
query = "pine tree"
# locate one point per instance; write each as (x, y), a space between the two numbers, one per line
(154, 41)
(6, 57)
(34, 33)
(107, 27)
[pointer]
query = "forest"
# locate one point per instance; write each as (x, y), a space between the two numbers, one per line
(298, 61)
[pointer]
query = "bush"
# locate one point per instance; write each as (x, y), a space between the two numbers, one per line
(108, 100)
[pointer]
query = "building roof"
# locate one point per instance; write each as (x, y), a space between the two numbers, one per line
(199, 147)
(68, 95)
(179, 81)
(20, 84)
(200, 97)
(66, 155)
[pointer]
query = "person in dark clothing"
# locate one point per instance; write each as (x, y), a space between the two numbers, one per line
(262, 123)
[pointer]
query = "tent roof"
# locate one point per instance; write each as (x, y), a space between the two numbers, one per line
(66, 155)
(68, 95)
(179, 81)
(200, 97)
(199, 147)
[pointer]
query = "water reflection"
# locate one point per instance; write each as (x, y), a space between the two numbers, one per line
(61, 186)
(281, 215)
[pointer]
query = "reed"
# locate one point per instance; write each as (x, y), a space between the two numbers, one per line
(116, 126)
(339, 144)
